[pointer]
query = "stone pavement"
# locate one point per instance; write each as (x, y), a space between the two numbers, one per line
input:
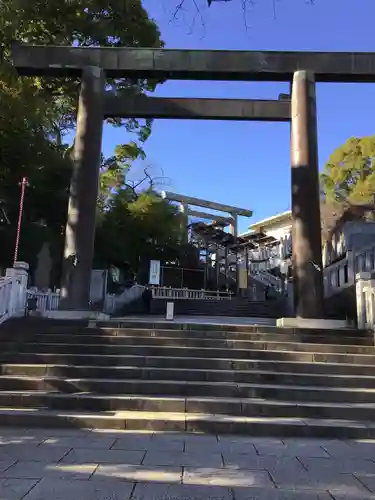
(41, 464)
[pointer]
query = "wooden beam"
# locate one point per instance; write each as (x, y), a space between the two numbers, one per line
(213, 217)
(194, 64)
(196, 109)
(198, 202)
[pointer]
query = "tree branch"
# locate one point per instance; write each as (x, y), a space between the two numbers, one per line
(183, 5)
(179, 7)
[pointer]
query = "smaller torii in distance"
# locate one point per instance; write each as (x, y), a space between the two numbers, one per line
(186, 201)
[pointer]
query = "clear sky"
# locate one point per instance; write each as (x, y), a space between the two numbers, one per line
(248, 164)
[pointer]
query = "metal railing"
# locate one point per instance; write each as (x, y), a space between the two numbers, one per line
(189, 294)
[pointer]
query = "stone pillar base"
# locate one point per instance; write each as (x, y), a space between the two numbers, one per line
(318, 324)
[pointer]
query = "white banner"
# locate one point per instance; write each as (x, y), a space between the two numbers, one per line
(154, 278)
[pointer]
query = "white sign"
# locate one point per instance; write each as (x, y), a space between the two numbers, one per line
(242, 279)
(170, 311)
(154, 278)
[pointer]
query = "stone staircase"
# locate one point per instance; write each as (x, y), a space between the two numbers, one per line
(261, 381)
(236, 307)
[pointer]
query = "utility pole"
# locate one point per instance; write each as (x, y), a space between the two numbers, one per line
(23, 184)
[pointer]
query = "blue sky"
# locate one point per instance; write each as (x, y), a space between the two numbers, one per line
(248, 164)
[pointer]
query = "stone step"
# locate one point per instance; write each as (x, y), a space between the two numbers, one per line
(189, 352)
(250, 407)
(205, 363)
(184, 388)
(222, 326)
(42, 325)
(280, 344)
(270, 334)
(183, 422)
(154, 373)
(270, 309)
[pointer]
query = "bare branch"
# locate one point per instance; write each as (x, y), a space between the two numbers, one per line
(179, 7)
(183, 6)
(132, 188)
(146, 177)
(198, 13)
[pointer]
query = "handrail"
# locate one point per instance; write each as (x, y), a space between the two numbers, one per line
(165, 292)
(46, 301)
(12, 298)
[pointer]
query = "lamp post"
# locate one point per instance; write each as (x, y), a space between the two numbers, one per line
(24, 184)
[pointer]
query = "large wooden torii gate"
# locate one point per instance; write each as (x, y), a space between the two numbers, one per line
(302, 69)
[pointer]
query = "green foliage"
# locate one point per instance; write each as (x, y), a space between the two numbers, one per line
(35, 113)
(349, 175)
(26, 150)
(108, 23)
(139, 226)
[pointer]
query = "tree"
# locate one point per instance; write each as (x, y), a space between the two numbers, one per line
(109, 23)
(35, 113)
(139, 227)
(349, 175)
(25, 150)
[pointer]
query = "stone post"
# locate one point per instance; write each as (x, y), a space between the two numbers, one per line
(233, 229)
(306, 238)
(80, 228)
(351, 266)
(18, 293)
(226, 267)
(364, 313)
(290, 300)
(184, 211)
(217, 264)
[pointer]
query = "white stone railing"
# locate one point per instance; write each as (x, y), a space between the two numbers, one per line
(337, 277)
(13, 290)
(112, 302)
(268, 279)
(365, 294)
(48, 301)
(6, 285)
(165, 292)
(342, 274)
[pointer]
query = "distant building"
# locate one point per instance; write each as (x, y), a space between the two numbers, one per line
(344, 228)
(273, 237)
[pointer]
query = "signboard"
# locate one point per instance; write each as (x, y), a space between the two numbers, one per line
(154, 278)
(170, 311)
(115, 274)
(242, 278)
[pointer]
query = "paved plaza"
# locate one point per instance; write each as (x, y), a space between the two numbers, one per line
(79, 465)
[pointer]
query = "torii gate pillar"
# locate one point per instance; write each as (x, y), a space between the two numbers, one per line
(80, 228)
(307, 248)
